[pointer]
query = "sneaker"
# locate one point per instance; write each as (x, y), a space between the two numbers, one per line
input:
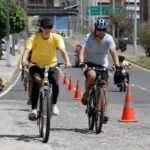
(33, 115)
(85, 98)
(55, 110)
(106, 119)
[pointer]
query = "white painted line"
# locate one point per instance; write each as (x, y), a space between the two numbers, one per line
(11, 86)
(137, 86)
(140, 87)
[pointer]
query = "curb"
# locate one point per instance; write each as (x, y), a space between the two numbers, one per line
(137, 65)
(6, 82)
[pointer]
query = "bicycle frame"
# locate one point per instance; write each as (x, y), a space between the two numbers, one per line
(96, 102)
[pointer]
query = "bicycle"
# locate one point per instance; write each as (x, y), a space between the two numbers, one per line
(44, 104)
(96, 102)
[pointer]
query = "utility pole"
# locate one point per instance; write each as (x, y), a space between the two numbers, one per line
(89, 14)
(135, 27)
(26, 21)
(113, 26)
(93, 17)
(7, 34)
(81, 11)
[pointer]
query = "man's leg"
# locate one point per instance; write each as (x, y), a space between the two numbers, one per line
(90, 78)
(53, 79)
(105, 87)
(35, 92)
(127, 76)
(29, 91)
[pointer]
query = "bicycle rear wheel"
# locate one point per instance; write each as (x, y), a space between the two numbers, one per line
(90, 111)
(99, 115)
(45, 115)
(25, 83)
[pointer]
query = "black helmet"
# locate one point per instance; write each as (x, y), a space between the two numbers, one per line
(121, 58)
(46, 23)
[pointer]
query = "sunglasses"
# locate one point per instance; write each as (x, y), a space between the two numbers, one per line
(100, 29)
(47, 27)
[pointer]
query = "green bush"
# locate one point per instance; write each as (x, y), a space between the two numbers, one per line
(144, 39)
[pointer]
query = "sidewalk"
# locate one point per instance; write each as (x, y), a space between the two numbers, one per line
(6, 72)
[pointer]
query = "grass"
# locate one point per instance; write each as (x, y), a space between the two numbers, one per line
(144, 61)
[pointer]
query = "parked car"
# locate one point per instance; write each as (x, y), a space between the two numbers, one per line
(3, 46)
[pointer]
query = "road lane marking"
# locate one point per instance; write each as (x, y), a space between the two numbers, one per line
(140, 87)
(134, 85)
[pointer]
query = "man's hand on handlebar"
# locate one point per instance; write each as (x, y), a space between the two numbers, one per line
(83, 66)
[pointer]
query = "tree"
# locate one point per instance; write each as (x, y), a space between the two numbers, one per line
(17, 18)
(123, 28)
(144, 39)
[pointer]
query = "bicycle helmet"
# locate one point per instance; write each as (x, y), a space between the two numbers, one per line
(101, 24)
(46, 23)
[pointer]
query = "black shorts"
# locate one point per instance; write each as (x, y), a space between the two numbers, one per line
(104, 74)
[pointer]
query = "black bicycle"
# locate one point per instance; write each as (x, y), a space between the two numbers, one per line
(44, 105)
(96, 102)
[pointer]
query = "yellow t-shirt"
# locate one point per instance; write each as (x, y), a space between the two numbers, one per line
(44, 51)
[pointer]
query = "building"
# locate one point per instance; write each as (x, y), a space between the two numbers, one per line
(130, 8)
(144, 12)
(36, 3)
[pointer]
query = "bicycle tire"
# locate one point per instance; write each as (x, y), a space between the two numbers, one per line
(40, 119)
(22, 75)
(46, 107)
(124, 87)
(25, 83)
(90, 111)
(99, 115)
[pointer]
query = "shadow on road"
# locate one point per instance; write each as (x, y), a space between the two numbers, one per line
(17, 109)
(83, 131)
(24, 138)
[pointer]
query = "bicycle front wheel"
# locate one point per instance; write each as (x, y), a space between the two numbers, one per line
(25, 83)
(90, 111)
(45, 115)
(100, 108)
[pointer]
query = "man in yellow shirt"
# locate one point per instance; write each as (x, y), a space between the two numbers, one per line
(43, 46)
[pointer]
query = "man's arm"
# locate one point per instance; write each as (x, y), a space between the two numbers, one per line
(26, 57)
(65, 56)
(114, 56)
(81, 55)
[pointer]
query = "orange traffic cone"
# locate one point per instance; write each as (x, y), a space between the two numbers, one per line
(78, 94)
(128, 111)
(71, 87)
(65, 82)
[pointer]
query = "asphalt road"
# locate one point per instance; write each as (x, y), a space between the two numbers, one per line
(69, 130)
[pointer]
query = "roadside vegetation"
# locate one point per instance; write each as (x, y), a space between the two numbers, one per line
(143, 61)
(17, 19)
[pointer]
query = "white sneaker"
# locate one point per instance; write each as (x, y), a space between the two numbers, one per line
(33, 115)
(55, 110)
